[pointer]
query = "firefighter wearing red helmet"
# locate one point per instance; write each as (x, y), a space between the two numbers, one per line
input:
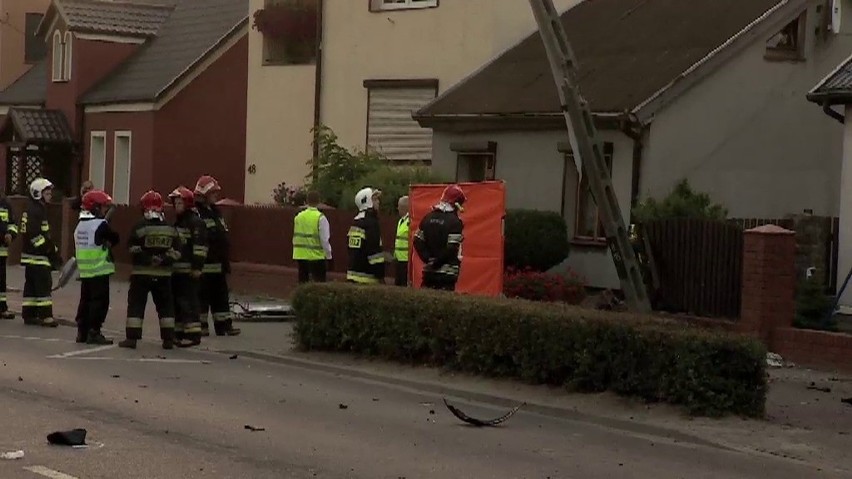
(154, 247)
(93, 240)
(8, 233)
(438, 241)
(213, 290)
(187, 271)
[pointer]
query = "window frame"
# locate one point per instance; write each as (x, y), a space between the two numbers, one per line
(129, 135)
(57, 56)
(599, 237)
(795, 55)
(381, 6)
(67, 55)
(476, 149)
(372, 85)
(102, 134)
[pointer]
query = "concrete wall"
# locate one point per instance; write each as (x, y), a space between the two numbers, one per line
(534, 172)
(747, 136)
(844, 262)
(12, 40)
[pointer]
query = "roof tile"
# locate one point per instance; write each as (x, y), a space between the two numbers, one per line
(120, 18)
(47, 126)
(29, 89)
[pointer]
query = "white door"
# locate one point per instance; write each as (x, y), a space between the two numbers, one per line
(121, 169)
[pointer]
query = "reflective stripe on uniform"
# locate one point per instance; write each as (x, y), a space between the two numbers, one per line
(35, 259)
(12, 229)
(454, 238)
(4, 251)
(37, 302)
(192, 328)
(182, 267)
(212, 268)
(377, 258)
(134, 323)
(362, 278)
(401, 245)
(221, 317)
(168, 323)
(151, 271)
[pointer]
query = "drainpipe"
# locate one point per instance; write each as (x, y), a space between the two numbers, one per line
(317, 88)
(826, 108)
(633, 128)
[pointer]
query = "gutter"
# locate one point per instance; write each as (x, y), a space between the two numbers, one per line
(634, 128)
(317, 90)
(826, 108)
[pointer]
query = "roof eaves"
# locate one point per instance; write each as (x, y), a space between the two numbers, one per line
(646, 110)
(814, 92)
(47, 20)
(235, 30)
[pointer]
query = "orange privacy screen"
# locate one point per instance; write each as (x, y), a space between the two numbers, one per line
(482, 249)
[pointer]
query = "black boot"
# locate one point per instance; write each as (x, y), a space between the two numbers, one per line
(82, 336)
(7, 315)
(127, 343)
(95, 337)
(49, 323)
(168, 337)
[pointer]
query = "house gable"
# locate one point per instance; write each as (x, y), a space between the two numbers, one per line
(624, 58)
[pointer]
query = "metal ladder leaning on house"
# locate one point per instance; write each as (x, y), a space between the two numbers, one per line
(585, 144)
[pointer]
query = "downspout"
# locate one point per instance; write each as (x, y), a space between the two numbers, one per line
(633, 128)
(317, 90)
(826, 108)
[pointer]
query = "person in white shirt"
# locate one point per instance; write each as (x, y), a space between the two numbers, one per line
(311, 241)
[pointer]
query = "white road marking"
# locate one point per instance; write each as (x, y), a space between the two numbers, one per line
(35, 338)
(43, 471)
(83, 351)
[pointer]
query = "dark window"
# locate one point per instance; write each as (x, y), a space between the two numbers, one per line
(587, 225)
(34, 48)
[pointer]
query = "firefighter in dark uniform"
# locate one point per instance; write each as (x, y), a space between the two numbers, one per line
(187, 271)
(366, 258)
(9, 231)
(93, 240)
(154, 246)
(213, 291)
(39, 257)
(438, 241)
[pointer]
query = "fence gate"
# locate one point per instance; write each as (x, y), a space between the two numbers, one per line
(699, 263)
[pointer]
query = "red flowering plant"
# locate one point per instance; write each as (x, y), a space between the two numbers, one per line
(541, 286)
(292, 21)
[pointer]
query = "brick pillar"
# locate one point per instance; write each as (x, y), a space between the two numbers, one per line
(769, 281)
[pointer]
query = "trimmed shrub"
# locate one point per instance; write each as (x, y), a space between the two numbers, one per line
(813, 307)
(682, 202)
(550, 287)
(710, 373)
(536, 240)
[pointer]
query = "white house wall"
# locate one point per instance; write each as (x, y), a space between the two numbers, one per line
(533, 169)
(747, 135)
(844, 262)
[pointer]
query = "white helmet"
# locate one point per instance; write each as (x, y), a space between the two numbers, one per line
(38, 186)
(364, 198)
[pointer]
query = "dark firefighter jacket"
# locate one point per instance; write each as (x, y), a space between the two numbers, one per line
(8, 225)
(154, 247)
(39, 248)
(218, 245)
(438, 241)
(193, 236)
(366, 258)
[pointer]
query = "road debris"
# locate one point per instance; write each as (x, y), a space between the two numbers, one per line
(254, 429)
(116, 376)
(480, 422)
(234, 356)
(847, 401)
(814, 387)
(774, 360)
(74, 437)
(343, 406)
(12, 455)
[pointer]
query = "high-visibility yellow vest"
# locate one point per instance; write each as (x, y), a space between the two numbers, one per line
(92, 260)
(400, 250)
(306, 237)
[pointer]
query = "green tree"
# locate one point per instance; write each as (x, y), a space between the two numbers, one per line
(682, 202)
(337, 167)
(394, 182)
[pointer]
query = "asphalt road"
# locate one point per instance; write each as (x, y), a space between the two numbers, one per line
(182, 414)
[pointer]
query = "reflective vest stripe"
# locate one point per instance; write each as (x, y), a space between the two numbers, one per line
(400, 251)
(306, 237)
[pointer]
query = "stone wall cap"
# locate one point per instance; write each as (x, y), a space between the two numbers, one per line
(770, 230)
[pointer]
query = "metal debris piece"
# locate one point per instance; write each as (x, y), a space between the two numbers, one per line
(343, 406)
(814, 387)
(262, 310)
(774, 360)
(847, 401)
(254, 429)
(480, 422)
(12, 455)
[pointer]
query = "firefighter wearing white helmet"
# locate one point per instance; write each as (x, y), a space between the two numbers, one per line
(39, 256)
(366, 258)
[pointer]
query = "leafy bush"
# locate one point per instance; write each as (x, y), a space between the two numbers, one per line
(682, 202)
(536, 240)
(550, 287)
(394, 183)
(338, 168)
(289, 195)
(710, 373)
(813, 306)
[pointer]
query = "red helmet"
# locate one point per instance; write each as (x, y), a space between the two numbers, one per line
(95, 198)
(151, 201)
(454, 196)
(206, 184)
(183, 193)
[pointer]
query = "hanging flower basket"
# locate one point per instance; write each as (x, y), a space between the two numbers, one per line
(293, 21)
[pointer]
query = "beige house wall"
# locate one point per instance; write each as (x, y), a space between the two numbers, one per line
(13, 13)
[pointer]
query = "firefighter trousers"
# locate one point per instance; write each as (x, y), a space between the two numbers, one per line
(439, 281)
(3, 305)
(37, 303)
(213, 297)
(94, 305)
(401, 274)
(160, 288)
(185, 292)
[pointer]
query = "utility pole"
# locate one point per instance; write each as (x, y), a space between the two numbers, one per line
(588, 156)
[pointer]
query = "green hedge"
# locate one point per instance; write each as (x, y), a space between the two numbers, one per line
(537, 240)
(709, 373)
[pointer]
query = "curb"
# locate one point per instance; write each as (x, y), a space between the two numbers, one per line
(264, 319)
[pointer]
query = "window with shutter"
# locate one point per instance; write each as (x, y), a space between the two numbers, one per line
(391, 131)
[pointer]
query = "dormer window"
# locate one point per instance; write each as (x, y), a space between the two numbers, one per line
(62, 55)
(789, 43)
